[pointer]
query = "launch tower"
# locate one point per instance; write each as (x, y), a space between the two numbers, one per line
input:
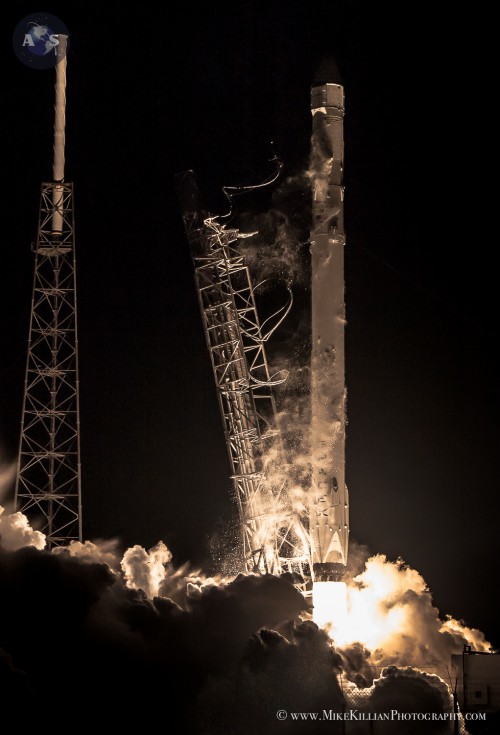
(48, 483)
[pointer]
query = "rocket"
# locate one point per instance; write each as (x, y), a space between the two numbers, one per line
(328, 506)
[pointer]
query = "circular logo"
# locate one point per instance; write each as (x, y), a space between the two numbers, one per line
(40, 40)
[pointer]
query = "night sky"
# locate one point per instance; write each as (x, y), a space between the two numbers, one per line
(149, 96)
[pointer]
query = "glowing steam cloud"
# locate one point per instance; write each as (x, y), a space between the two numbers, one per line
(240, 645)
(388, 610)
(16, 532)
(145, 570)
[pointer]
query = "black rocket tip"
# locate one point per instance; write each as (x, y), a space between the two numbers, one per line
(327, 73)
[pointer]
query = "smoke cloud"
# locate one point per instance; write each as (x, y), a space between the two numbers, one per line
(16, 532)
(392, 615)
(145, 570)
(218, 655)
(102, 551)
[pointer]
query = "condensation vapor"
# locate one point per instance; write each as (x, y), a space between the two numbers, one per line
(239, 646)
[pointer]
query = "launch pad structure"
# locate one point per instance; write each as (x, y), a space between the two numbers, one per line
(275, 537)
(270, 535)
(48, 480)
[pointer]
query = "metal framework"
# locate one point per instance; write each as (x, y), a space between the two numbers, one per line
(48, 486)
(272, 535)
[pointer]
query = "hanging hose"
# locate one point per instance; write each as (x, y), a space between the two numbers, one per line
(284, 311)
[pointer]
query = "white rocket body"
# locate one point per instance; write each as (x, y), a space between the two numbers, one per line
(328, 510)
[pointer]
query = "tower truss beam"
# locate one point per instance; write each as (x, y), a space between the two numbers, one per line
(48, 485)
(272, 535)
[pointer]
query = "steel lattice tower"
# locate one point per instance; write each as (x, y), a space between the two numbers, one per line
(271, 532)
(48, 485)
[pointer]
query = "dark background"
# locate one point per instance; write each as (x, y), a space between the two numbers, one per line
(150, 94)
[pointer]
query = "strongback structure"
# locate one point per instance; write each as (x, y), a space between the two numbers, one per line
(328, 508)
(275, 539)
(271, 534)
(48, 484)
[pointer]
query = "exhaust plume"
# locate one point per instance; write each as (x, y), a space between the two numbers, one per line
(242, 648)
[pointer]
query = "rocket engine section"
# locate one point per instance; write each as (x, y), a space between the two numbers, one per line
(328, 509)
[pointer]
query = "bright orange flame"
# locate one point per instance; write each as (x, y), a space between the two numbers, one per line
(364, 612)
(388, 610)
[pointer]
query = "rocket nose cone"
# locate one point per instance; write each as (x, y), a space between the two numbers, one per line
(327, 73)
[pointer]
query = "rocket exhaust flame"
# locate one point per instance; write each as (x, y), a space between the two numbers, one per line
(388, 610)
(330, 605)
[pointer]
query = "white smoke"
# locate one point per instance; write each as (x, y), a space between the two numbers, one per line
(392, 617)
(472, 636)
(102, 551)
(16, 532)
(145, 570)
(396, 655)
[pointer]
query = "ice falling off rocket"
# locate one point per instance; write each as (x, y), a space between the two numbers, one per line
(328, 507)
